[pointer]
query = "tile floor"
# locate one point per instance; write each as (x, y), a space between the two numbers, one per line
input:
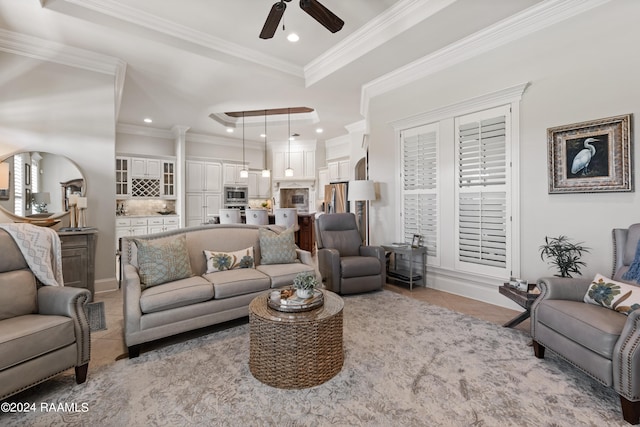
(108, 345)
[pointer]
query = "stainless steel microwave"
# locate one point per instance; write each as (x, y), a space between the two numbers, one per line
(236, 195)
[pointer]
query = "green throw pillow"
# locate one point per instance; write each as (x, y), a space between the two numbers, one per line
(220, 261)
(164, 260)
(618, 296)
(277, 248)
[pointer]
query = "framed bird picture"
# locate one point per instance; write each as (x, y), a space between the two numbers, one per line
(591, 157)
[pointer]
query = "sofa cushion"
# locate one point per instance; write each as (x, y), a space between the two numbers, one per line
(357, 266)
(608, 293)
(591, 326)
(277, 248)
(283, 274)
(175, 294)
(163, 260)
(220, 261)
(227, 284)
(18, 293)
(26, 337)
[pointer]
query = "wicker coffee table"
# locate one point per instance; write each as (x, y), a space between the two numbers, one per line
(295, 350)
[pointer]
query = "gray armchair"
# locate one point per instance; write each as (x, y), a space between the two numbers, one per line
(601, 342)
(43, 329)
(346, 265)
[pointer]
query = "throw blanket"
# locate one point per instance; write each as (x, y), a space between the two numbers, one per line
(633, 273)
(40, 247)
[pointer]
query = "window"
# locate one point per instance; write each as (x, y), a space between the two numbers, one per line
(482, 142)
(420, 185)
(457, 168)
(18, 184)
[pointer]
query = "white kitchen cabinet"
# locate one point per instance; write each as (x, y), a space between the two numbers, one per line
(339, 170)
(323, 179)
(146, 168)
(203, 176)
(232, 174)
(123, 176)
(137, 226)
(303, 164)
(168, 180)
(201, 206)
(259, 186)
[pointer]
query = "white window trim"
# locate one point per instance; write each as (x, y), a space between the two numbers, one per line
(509, 96)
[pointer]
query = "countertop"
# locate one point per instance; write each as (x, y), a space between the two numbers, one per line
(145, 216)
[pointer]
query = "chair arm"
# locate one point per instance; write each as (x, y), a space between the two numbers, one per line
(565, 288)
(378, 252)
(131, 299)
(329, 266)
(626, 359)
(70, 302)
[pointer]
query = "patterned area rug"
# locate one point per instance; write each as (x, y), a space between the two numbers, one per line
(96, 317)
(407, 363)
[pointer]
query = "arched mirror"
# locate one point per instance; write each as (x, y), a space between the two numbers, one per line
(38, 185)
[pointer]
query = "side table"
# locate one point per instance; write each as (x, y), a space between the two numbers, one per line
(522, 298)
(404, 275)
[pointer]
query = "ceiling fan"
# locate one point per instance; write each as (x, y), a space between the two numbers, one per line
(317, 11)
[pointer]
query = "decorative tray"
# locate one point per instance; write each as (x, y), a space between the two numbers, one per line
(291, 303)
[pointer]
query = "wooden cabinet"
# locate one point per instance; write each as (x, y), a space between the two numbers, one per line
(78, 251)
(306, 237)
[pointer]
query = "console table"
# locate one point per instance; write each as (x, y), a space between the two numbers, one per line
(78, 258)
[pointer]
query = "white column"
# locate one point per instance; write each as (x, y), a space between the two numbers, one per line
(180, 133)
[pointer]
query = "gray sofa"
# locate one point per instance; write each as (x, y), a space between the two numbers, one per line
(43, 329)
(600, 341)
(203, 299)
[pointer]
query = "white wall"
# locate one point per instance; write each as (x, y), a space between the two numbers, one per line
(54, 108)
(582, 69)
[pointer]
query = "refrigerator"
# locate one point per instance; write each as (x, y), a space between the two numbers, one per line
(335, 197)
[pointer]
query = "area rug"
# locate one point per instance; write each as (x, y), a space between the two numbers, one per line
(96, 316)
(407, 363)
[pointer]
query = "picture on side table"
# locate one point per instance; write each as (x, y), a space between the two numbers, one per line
(417, 240)
(590, 157)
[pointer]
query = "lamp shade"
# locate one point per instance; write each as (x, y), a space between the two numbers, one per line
(4, 175)
(361, 190)
(42, 198)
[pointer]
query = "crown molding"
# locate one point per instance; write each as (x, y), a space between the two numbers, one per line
(531, 20)
(152, 132)
(155, 23)
(482, 102)
(397, 19)
(276, 119)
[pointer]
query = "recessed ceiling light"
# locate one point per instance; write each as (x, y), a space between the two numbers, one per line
(319, 130)
(148, 120)
(293, 37)
(262, 135)
(229, 130)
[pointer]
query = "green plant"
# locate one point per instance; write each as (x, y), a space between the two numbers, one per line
(305, 281)
(563, 254)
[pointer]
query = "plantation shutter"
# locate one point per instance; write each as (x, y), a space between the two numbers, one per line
(420, 186)
(18, 184)
(483, 190)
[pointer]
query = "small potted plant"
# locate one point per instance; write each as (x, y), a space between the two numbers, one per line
(563, 254)
(304, 284)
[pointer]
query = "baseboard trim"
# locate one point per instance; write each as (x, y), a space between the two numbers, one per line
(105, 285)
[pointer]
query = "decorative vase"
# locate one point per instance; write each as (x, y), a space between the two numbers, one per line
(304, 293)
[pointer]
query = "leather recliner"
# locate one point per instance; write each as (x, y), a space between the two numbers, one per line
(346, 266)
(43, 329)
(602, 342)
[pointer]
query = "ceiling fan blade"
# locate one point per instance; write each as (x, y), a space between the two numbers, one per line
(273, 19)
(323, 15)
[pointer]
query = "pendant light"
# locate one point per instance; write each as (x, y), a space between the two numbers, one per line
(266, 173)
(244, 173)
(288, 171)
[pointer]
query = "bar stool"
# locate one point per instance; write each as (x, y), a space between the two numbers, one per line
(287, 218)
(230, 216)
(257, 216)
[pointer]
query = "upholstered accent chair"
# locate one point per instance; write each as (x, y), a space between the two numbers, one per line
(43, 329)
(346, 266)
(600, 341)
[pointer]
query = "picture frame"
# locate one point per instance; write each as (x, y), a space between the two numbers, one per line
(591, 157)
(417, 240)
(27, 174)
(27, 200)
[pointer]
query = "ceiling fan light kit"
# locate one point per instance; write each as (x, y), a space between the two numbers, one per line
(312, 7)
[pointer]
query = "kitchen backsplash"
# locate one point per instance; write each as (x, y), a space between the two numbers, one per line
(144, 206)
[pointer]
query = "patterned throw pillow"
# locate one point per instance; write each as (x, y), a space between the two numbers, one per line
(220, 261)
(277, 248)
(618, 296)
(164, 260)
